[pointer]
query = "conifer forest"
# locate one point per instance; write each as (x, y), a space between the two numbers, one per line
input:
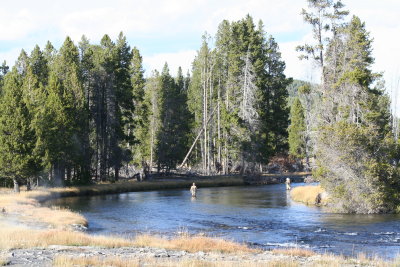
(86, 112)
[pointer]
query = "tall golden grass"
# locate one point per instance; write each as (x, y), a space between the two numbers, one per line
(26, 205)
(67, 261)
(300, 252)
(329, 260)
(307, 194)
(314, 261)
(3, 261)
(193, 244)
(19, 237)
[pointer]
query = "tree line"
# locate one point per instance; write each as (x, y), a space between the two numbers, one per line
(86, 112)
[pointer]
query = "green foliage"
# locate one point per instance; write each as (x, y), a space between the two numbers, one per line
(172, 139)
(242, 75)
(140, 139)
(17, 138)
(297, 130)
(87, 113)
(354, 146)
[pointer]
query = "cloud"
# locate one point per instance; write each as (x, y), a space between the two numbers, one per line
(10, 56)
(16, 25)
(296, 68)
(171, 30)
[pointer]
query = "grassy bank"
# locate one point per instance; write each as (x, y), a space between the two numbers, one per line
(27, 206)
(308, 194)
(18, 237)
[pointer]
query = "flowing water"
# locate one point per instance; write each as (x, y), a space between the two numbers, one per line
(262, 216)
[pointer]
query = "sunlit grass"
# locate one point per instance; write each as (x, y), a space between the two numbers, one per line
(64, 261)
(307, 194)
(314, 261)
(294, 252)
(328, 260)
(20, 237)
(3, 261)
(26, 205)
(193, 244)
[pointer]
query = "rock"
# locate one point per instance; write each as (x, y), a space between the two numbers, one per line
(78, 227)
(309, 179)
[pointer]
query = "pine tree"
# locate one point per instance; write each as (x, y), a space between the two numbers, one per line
(354, 143)
(168, 145)
(124, 104)
(140, 140)
(153, 101)
(59, 121)
(297, 130)
(4, 68)
(242, 81)
(17, 138)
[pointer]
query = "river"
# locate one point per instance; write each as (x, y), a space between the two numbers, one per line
(262, 216)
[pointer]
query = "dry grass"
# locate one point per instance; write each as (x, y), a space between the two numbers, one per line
(27, 206)
(283, 263)
(3, 261)
(294, 252)
(19, 237)
(327, 260)
(307, 194)
(315, 261)
(67, 261)
(193, 244)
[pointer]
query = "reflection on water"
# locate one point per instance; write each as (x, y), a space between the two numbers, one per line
(263, 215)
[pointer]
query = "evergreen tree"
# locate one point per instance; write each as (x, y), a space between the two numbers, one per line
(17, 138)
(297, 130)
(152, 100)
(59, 122)
(141, 118)
(241, 80)
(3, 71)
(169, 142)
(354, 146)
(124, 104)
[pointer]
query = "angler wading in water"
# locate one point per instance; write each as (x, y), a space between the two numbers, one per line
(288, 184)
(193, 190)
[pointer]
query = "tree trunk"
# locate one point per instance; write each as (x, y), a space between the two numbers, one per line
(28, 184)
(116, 174)
(59, 171)
(219, 123)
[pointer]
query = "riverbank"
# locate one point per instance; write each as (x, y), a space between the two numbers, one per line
(33, 244)
(151, 256)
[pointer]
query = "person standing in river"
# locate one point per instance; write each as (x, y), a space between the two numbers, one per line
(193, 190)
(288, 184)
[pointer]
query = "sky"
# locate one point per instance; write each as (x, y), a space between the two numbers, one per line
(170, 30)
